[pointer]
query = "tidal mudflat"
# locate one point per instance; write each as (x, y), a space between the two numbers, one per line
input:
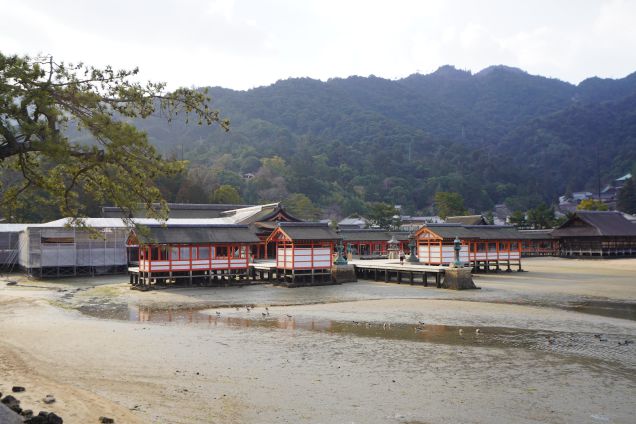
(547, 345)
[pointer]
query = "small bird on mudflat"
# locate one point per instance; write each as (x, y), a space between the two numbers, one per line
(289, 316)
(477, 331)
(264, 314)
(461, 331)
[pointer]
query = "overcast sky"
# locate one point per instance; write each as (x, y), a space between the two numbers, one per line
(246, 43)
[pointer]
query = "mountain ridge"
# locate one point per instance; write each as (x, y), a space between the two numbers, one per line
(401, 140)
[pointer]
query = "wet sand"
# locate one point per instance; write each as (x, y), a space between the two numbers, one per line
(350, 353)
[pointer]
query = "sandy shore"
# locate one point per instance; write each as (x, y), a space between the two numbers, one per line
(349, 353)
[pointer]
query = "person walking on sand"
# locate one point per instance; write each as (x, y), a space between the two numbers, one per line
(401, 257)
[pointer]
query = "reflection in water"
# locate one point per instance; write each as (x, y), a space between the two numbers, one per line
(583, 346)
(607, 309)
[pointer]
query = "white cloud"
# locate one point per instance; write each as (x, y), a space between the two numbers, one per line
(245, 43)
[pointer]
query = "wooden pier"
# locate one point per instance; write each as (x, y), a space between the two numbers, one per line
(267, 271)
(394, 272)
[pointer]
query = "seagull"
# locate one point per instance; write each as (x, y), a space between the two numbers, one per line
(384, 325)
(218, 314)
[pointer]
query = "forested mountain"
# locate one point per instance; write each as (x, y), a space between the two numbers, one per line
(494, 136)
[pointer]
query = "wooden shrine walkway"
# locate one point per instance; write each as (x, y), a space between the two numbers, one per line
(389, 271)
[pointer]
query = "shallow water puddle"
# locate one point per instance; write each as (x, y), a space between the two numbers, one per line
(606, 347)
(606, 309)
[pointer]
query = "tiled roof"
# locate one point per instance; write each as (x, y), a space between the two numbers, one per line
(595, 224)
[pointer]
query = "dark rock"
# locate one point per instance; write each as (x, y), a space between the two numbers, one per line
(54, 419)
(27, 413)
(106, 420)
(45, 418)
(48, 399)
(17, 389)
(12, 283)
(12, 403)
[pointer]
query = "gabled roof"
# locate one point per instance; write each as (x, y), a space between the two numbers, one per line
(260, 213)
(293, 231)
(197, 234)
(595, 224)
(466, 220)
(353, 221)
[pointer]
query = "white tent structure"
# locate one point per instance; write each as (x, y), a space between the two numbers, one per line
(56, 250)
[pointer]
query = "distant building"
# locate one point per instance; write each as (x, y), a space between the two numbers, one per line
(501, 215)
(353, 223)
(576, 197)
(467, 220)
(596, 233)
(414, 223)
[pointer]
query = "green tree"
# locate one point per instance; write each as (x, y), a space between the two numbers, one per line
(381, 214)
(541, 216)
(591, 205)
(627, 197)
(301, 206)
(449, 204)
(226, 194)
(42, 101)
(518, 219)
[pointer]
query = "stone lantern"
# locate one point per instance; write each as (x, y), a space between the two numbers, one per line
(394, 248)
